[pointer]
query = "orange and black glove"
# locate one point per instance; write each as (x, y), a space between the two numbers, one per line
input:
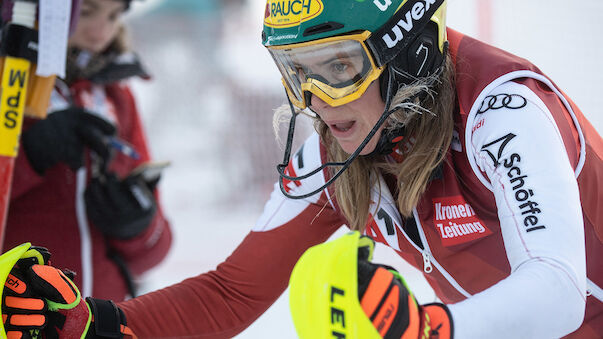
(40, 301)
(393, 309)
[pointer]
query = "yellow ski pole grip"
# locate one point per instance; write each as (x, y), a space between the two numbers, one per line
(15, 76)
(12, 104)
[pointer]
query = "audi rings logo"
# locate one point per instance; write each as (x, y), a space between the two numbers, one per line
(511, 101)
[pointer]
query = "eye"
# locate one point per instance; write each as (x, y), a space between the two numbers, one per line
(114, 16)
(86, 12)
(339, 68)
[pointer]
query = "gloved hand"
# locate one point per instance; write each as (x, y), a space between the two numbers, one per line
(336, 292)
(62, 136)
(40, 301)
(391, 306)
(120, 208)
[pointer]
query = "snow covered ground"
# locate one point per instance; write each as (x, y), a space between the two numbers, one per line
(195, 114)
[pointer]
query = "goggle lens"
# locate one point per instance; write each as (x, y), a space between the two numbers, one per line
(332, 70)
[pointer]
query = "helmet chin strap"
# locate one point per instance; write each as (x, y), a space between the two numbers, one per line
(281, 168)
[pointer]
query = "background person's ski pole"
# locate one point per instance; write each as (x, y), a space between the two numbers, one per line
(15, 77)
(29, 63)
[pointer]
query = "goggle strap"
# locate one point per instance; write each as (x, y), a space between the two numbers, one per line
(390, 82)
(286, 159)
(290, 132)
(383, 53)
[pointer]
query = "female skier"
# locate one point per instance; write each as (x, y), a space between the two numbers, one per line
(467, 160)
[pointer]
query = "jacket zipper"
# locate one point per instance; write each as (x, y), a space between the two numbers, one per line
(427, 268)
(428, 259)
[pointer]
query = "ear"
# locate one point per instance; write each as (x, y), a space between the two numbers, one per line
(422, 58)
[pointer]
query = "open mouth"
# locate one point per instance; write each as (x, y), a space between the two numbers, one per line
(343, 126)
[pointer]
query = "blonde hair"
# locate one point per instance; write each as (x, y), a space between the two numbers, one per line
(429, 124)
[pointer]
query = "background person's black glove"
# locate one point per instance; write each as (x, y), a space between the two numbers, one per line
(62, 136)
(120, 208)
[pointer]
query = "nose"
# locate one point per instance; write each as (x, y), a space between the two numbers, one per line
(99, 30)
(102, 31)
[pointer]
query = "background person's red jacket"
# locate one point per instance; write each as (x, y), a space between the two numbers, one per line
(47, 210)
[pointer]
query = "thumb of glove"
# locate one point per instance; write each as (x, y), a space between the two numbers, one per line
(53, 285)
(69, 314)
(94, 131)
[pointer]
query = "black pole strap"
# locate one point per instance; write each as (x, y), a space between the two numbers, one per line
(20, 42)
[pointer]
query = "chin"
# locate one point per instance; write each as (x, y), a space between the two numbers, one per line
(367, 150)
(350, 147)
(95, 49)
(370, 147)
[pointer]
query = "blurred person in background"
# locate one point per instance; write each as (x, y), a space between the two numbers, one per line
(465, 159)
(74, 188)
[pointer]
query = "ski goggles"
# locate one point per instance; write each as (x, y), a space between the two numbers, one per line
(336, 69)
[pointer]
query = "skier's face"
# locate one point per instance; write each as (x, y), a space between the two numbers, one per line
(97, 25)
(352, 122)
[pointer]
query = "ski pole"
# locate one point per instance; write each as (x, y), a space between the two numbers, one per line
(15, 76)
(29, 67)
